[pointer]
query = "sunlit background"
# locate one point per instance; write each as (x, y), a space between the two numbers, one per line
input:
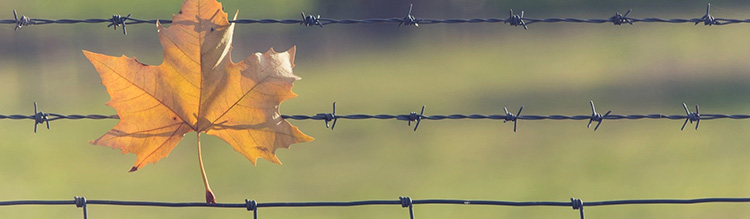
(385, 69)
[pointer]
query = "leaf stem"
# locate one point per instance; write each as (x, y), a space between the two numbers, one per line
(210, 198)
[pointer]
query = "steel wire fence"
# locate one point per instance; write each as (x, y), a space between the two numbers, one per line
(404, 201)
(332, 118)
(309, 20)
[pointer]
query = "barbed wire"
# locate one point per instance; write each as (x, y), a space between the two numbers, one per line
(408, 20)
(332, 118)
(404, 201)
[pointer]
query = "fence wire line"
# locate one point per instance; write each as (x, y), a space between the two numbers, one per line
(332, 118)
(409, 20)
(404, 201)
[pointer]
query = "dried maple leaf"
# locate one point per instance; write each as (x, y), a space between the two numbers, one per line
(198, 88)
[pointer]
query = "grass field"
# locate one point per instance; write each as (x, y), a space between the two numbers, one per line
(549, 69)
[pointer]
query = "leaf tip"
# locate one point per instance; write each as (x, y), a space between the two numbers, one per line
(88, 54)
(133, 169)
(305, 138)
(275, 159)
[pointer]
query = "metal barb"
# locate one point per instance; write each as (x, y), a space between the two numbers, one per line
(406, 202)
(510, 117)
(418, 118)
(596, 116)
(81, 203)
(328, 117)
(516, 20)
(692, 117)
(40, 117)
(707, 18)
(24, 21)
(118, 20)
(310, 20)
(577, 205)
(252, 205)
(620, 19)
(409, 20)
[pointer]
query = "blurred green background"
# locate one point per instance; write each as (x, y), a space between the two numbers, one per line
(461, 68)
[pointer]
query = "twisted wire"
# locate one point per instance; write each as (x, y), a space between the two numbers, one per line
(523, 117)
(421, 21)
(408, 20)
(404, 201)
(693, 117)
(55, 116)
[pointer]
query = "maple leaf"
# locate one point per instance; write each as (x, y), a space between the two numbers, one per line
(198, 88)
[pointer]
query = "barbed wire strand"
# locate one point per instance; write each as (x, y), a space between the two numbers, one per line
(408, 20)
(404, 201)
(332, 118)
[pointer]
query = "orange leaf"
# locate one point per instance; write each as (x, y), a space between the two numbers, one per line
(198, 88)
